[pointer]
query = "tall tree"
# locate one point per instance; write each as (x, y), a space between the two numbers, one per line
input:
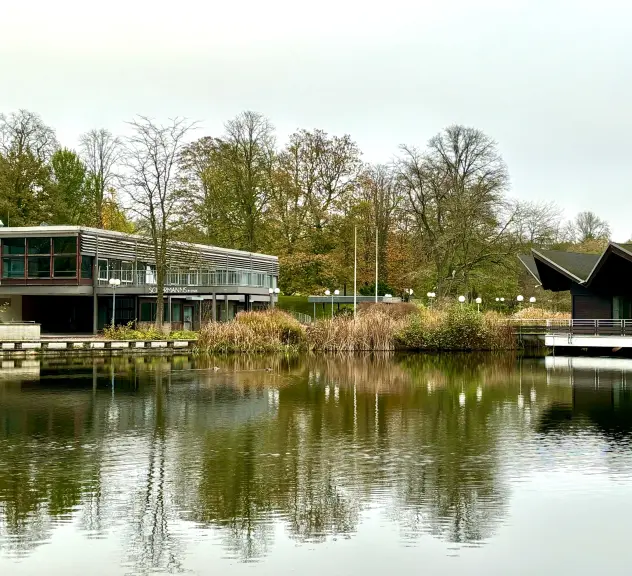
(211, 204)
(247, 151)
(101, 152)
(26, 146)
(318, 174)
(151, 156)
(456, 199)
(67, 198)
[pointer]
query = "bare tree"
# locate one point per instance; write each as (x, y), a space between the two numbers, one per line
(151, 180)
(100, 152)
(538, 223)
(588, 226)
(456, 197)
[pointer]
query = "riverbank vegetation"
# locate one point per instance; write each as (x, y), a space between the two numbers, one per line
(376, 328)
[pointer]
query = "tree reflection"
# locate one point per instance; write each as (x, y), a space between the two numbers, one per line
(148, 444)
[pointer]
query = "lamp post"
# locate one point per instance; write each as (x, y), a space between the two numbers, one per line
(329, 293)
(272, 292)
(532, 300)
(431, 297)
(462, 300)
(409, 293)
(479, 301)
(520, 300)
(114, 283)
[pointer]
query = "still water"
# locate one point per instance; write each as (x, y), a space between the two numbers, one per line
(402, 465)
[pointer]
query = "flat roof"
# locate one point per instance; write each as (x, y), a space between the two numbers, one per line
(12, 231)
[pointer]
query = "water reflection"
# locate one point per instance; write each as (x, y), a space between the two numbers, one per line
(154, 452)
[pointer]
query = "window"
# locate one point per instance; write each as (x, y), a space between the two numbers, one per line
(38, 246)
(65, 266)
(127, 272)
(86, 266)
(103, 270)
(39, 266)
(13, 267)
(13, 246)
(176, 308)
(147, 312)
(65, 245)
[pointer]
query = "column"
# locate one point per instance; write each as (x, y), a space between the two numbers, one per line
(214, 308)
(226, 307)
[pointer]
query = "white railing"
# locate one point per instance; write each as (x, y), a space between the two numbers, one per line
(597, 327)
(194, 277)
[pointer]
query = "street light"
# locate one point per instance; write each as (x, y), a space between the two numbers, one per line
(532, 300)
(520, 298)
(502, 299)
(272, 292)
(114, 283)
(461, 299)
(431, 297)
(335, 293)
(479, 301)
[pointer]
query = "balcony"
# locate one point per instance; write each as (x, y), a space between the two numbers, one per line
(190, 278)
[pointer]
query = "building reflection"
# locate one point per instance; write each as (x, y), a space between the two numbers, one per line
(601, 397)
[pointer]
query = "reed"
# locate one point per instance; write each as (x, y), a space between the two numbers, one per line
(253, 332)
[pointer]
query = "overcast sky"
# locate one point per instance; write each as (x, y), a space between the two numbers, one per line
(549, 80)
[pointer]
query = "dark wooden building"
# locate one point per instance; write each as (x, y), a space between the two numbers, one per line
(600, 284)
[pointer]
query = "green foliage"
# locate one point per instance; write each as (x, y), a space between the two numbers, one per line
(455, 328)
(130, 332)
(68, 199)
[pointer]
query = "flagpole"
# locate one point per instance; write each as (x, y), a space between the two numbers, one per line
(355, 270)
(376, 264)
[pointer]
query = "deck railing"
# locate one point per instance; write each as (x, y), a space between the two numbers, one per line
(602, 327)
(190, 278)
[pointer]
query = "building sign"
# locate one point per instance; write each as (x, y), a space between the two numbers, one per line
(174, 290)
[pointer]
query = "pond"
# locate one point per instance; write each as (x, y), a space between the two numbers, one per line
(446, 464)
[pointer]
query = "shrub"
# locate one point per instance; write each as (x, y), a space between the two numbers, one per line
(455, 328)
(129, 332)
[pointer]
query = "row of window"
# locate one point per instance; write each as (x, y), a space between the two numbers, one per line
(42, 266)
(39, 246)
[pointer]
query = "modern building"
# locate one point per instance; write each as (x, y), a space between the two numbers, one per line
(600, 284)
(60, 277)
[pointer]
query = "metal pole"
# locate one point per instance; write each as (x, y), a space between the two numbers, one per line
(113, 304)
(332, 305)
(376, 272)
(355, 270)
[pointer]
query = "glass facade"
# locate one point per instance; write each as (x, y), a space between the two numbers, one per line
(39, 267)
(13, 267)
(86, 266)
(39, 257)
(13, 246)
